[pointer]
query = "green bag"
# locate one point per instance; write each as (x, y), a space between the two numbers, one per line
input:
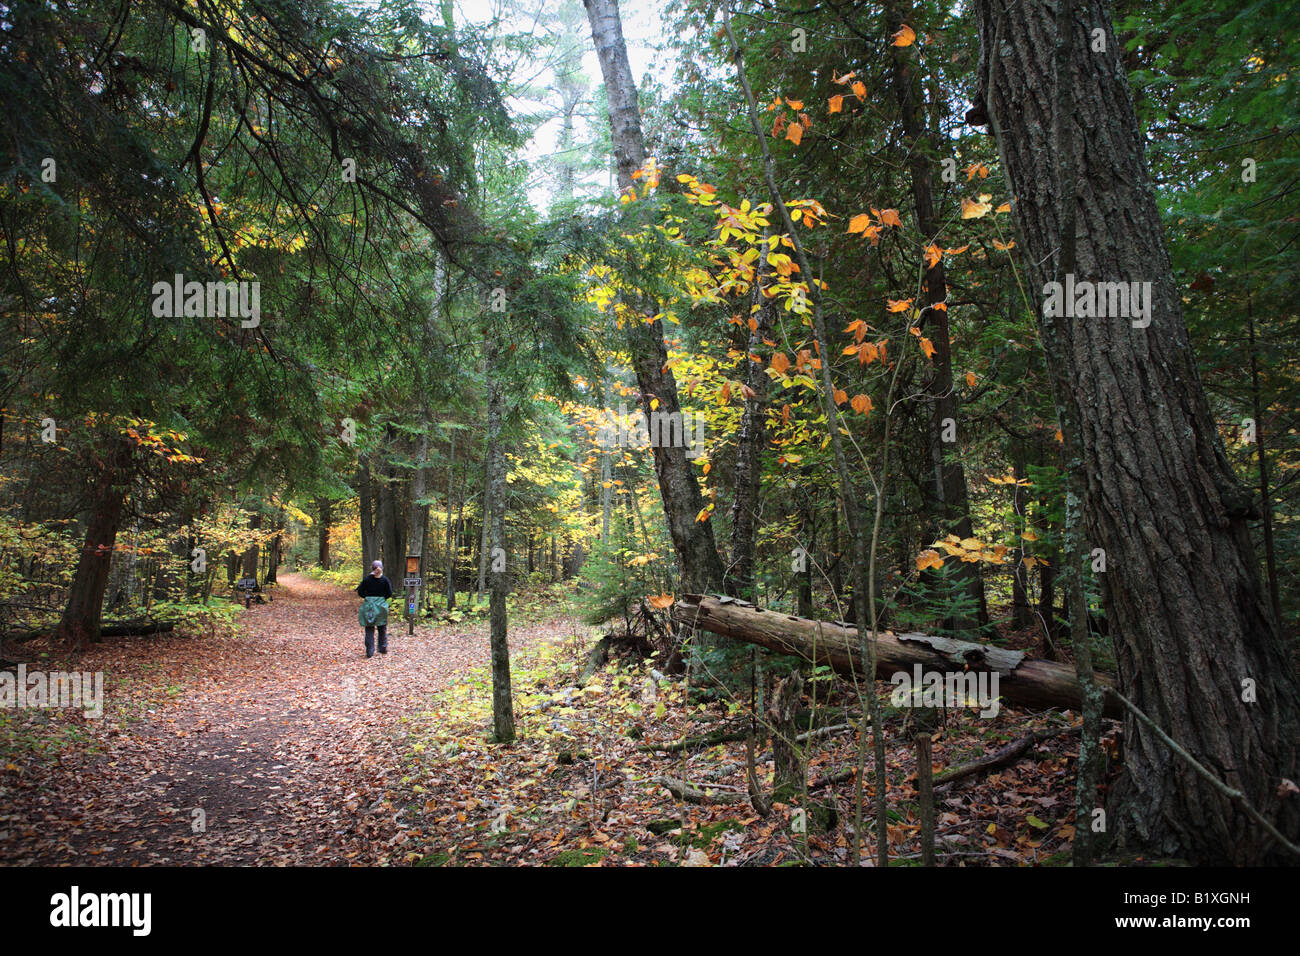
(374, 612)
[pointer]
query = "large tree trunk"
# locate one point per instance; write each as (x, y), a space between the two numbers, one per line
(1190, 619)
(1023, 682)
(253, 553)
(697, 554)
(365, 497)
(948, 493)
(83, 615)
(392, 540)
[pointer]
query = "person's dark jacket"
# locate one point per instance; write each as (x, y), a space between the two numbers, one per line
(372, 586)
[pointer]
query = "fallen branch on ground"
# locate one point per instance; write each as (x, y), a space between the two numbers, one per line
(1001, 757)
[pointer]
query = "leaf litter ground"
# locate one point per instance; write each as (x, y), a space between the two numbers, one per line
(298, 750)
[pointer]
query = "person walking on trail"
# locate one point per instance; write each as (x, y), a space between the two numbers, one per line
(375, 590)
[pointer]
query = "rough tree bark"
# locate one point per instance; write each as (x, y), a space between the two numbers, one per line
(83, 615)
(1190, 620)
(365, 496)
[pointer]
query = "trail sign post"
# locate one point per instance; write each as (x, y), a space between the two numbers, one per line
(412, 582)
(248, 586)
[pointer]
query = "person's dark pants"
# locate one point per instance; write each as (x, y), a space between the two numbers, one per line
(370, 639)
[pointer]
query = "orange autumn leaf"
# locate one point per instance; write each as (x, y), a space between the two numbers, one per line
(1005, 207)
(861, 404)
(904, 37)
(970, 379)
(927, 347)
(890, 218)
(859, 89)
(933, 254)
(899, 305)
(837, 102)
(840, 396)
(780, 363)
(841, 80)
(795, 133)
(794, 104)
(928, 558)
(1003, 246)
(975, 210)
(660, 601)
(859, 223)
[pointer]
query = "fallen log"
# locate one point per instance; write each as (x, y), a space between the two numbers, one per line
(596, 659)
(684, 791)
(1024, 682)
(138, 628)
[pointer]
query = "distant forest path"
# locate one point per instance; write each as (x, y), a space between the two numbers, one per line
(286, 737)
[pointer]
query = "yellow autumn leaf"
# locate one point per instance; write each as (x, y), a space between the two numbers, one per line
(904, 37)
(974, 210)
(1005, 207)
